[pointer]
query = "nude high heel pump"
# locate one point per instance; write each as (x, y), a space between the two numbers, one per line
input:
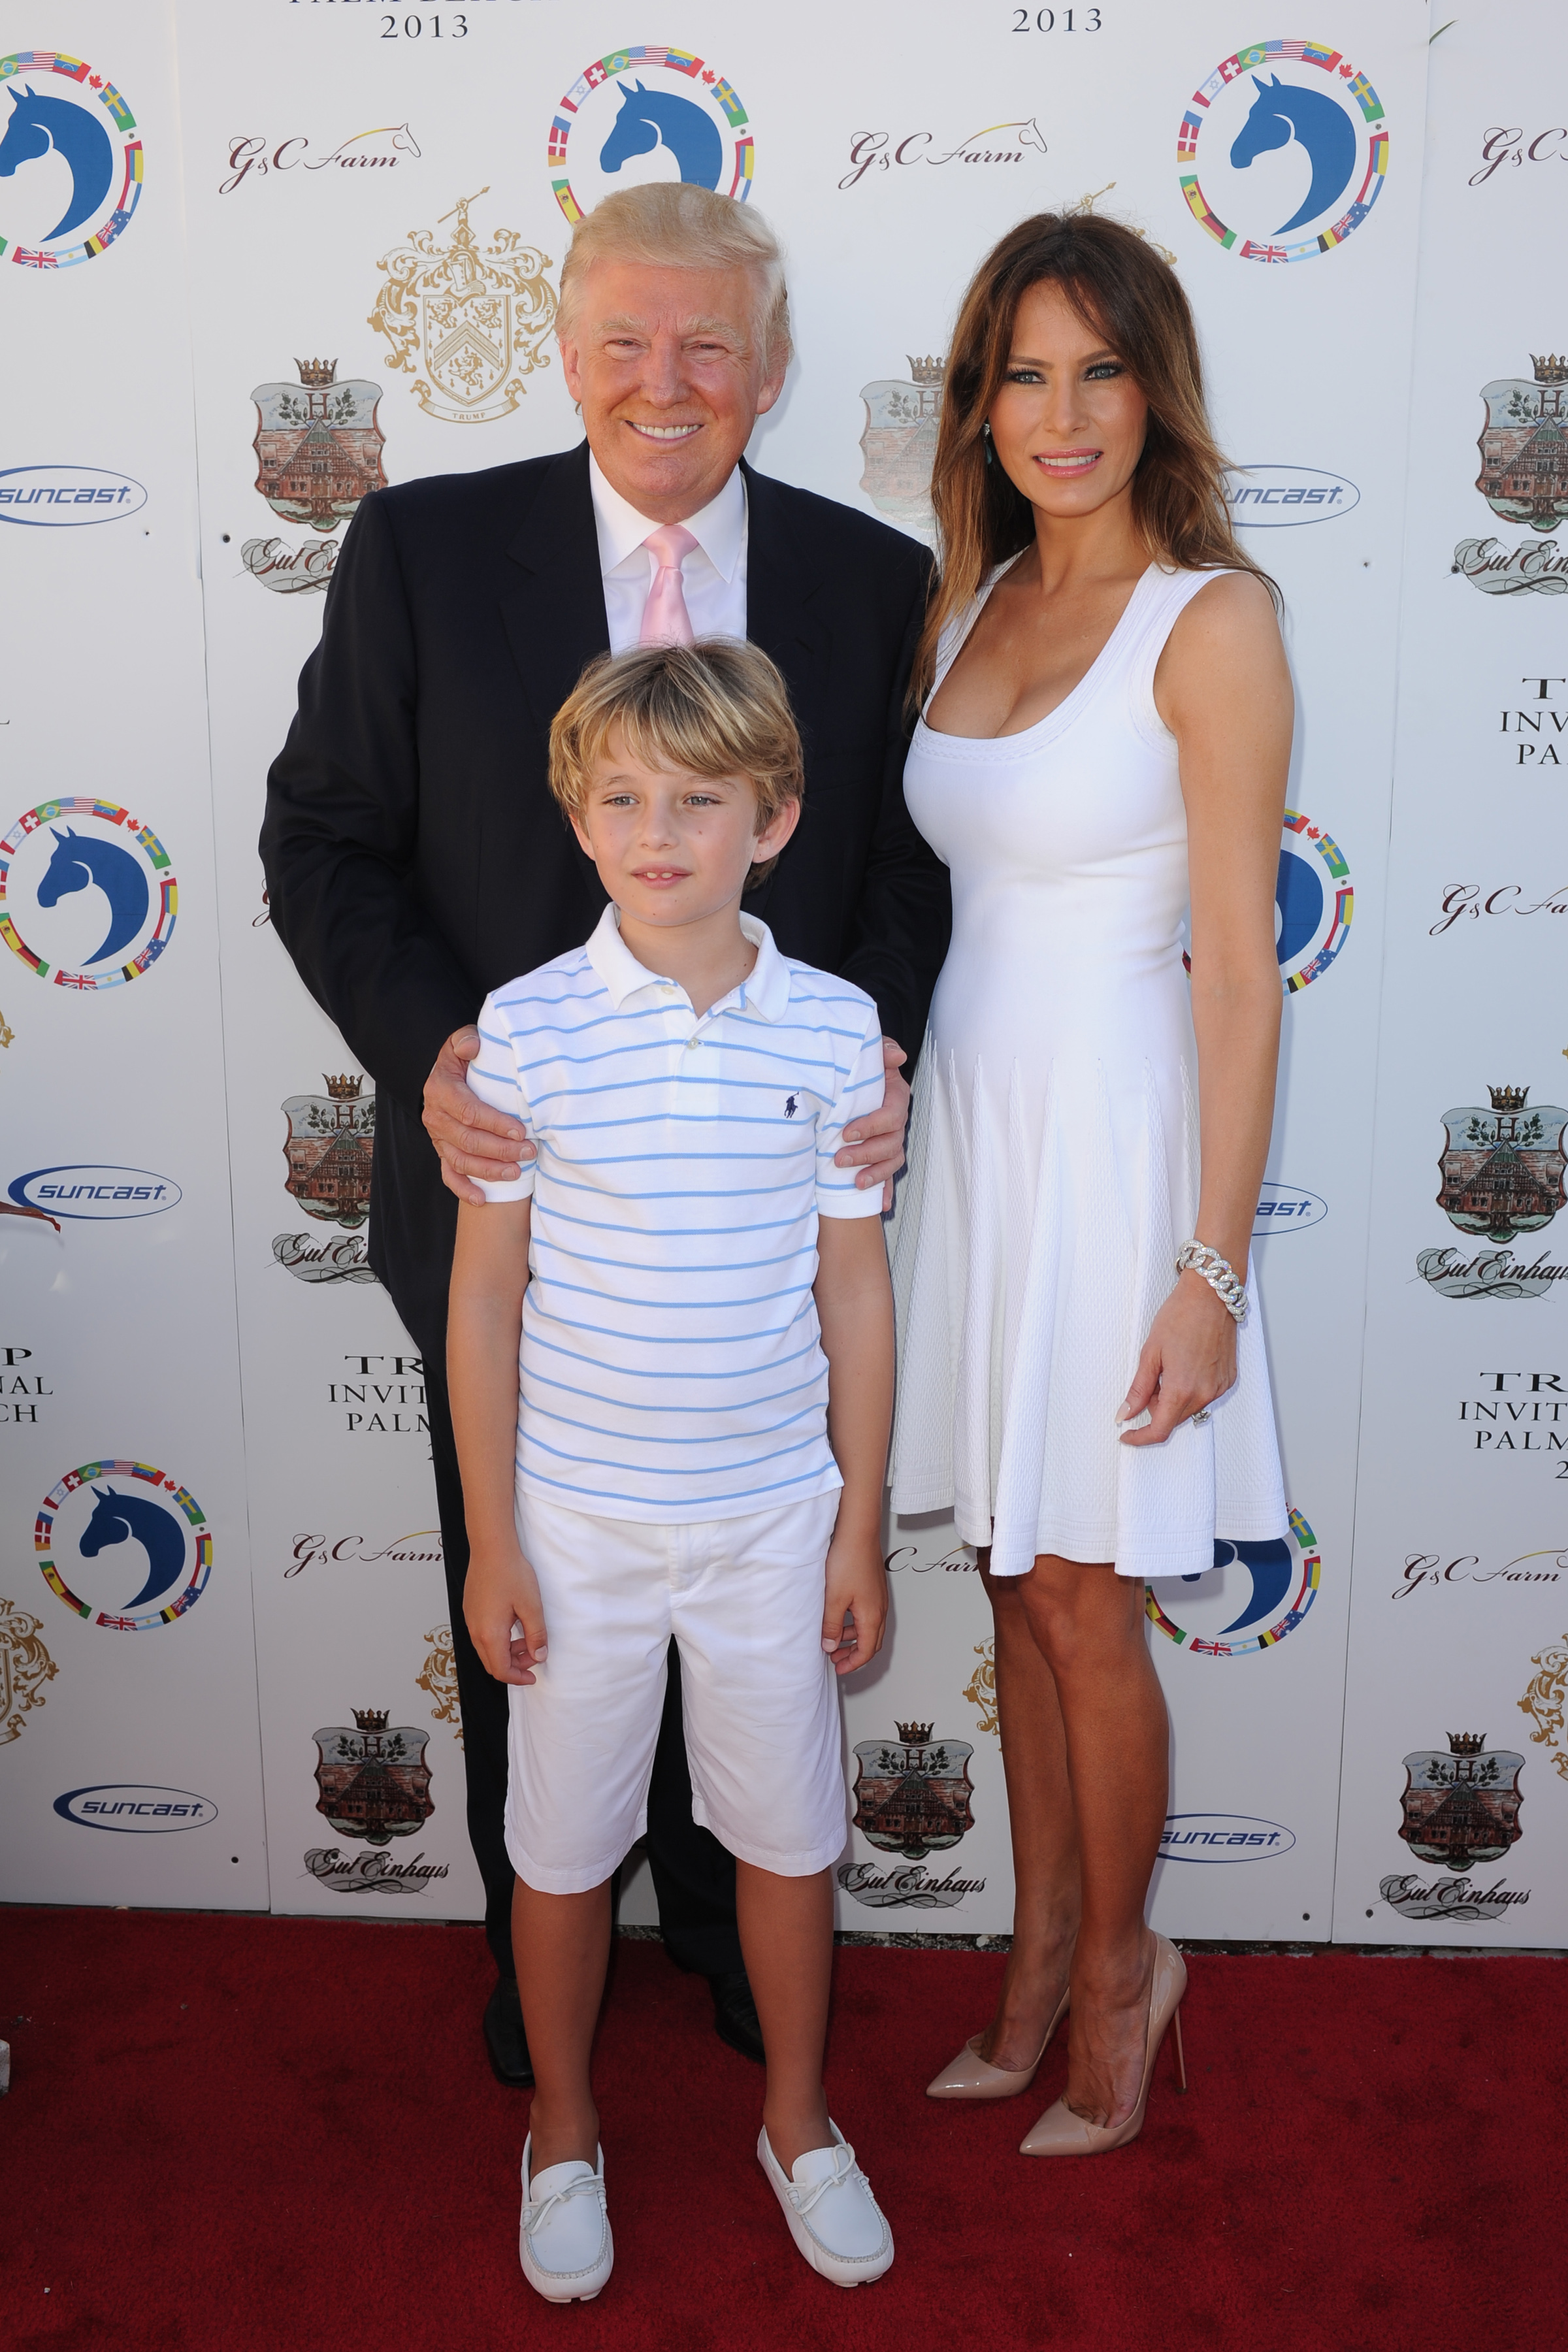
(971, 2077)
(1061, 2133)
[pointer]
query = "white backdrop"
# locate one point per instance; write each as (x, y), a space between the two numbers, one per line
(314, 175)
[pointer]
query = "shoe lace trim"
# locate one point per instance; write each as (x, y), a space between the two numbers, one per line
(535, 2216)
(845, 2168)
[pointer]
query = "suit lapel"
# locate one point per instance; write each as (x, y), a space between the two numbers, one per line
(554, 616)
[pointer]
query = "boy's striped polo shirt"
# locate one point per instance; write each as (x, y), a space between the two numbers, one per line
(671, 1365)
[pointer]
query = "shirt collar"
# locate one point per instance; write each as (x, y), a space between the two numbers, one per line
(719, 528)
(765, 991)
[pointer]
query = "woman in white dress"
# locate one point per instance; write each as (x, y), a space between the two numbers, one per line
(1103, 745)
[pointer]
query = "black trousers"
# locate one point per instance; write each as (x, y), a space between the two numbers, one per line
(693, 1874)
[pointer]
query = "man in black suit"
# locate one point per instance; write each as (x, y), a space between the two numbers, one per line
(415, 859)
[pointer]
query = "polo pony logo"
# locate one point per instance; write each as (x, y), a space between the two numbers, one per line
(43, 126)
(652, 118)
(1262, 127)
(84, 860)
(136, 1503)
(699, 126)
(1283, 113)
(91, 132)
(131, 1518)
(79, 874)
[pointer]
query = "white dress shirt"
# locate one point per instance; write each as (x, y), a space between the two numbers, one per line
(712, 578)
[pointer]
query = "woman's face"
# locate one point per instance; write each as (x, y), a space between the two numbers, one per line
(1067, 422)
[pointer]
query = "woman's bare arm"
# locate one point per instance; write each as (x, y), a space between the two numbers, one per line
(1223, 690)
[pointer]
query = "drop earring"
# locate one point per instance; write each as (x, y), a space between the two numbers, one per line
(985, 436)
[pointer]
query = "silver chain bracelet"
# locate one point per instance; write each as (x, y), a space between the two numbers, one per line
(1197, 1257)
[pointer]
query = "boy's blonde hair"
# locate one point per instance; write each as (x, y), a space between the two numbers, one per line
(718, 707)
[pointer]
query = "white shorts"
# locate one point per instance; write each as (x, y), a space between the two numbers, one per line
(743, 1598)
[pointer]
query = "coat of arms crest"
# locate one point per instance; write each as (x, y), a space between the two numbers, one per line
(899, 443)
(473, 316)
(25, 1667)
(374, 1783)
(1524, 447)
(912, 1794)
(1462, 1808)
(331, 1140)
(1502, 1169)
(328, 1154)
(317, 445)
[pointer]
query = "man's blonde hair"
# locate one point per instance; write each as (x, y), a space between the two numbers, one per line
(718, 707)
(675, 226)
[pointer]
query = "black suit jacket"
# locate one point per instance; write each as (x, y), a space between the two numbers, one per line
(414, 858)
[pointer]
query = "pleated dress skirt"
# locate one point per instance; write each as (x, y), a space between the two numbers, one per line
(1054, 1145)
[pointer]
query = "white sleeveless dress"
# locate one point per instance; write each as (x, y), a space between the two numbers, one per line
(1054, 1148)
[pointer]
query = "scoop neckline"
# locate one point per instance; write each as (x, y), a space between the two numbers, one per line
(1022, 734)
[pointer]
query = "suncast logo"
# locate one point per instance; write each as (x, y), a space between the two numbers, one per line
(1223, 1837)
(1274, 496)
(90, 1192)
(1285, 1209)
(62, 496)
(130, 1806)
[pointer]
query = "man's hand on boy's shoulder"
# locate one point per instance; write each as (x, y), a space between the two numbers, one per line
(472, 1139)
(875, 1144)
(500, 1593)
(855, 1608)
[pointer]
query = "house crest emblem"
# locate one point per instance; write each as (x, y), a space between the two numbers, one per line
(1462, 1808)
(899, 444)
(318, 453)
(912, 1794)
(328, 1153)
(375, 1783)
(472, 317)
(317, 445)
(25, 1667)
(1524, 447)
(1503, 1168)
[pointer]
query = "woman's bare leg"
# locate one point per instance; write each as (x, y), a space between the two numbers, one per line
(1089, 1626)
(1045, 1833)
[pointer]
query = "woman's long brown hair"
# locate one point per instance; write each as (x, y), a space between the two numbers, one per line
(1123, 289)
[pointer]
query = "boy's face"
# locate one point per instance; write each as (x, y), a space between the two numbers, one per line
(671, 847)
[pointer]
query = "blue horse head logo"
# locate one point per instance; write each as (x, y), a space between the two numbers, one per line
(652, 118)
(1283, 111)
(1299, 898)
(38, 125)
(82, 858)
(1269, 1566)
(130, 1518)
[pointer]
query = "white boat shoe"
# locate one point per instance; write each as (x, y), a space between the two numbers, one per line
(832, 2217)
(564, 2241)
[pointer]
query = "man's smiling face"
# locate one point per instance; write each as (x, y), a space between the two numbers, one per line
(667, 368)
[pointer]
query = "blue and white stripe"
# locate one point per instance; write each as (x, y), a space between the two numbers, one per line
(671, 1365)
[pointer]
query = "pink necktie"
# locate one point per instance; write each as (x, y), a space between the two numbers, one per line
(665, 619)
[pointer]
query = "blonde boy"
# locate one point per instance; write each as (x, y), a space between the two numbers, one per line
(671, 1357)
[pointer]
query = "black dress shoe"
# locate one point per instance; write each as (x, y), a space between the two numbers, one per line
(505, 2038)
(735, 2015)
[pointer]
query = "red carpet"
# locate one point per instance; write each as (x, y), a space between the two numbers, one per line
(228, 2134)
